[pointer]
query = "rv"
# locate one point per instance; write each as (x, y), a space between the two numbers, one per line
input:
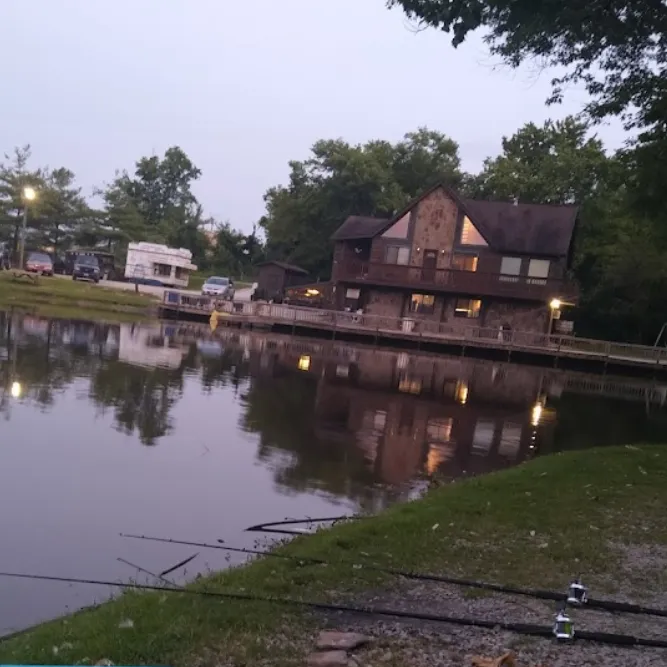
(155, 264)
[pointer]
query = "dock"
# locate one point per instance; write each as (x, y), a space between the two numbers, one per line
(414, 332)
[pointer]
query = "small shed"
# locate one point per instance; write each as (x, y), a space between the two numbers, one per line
(274, 278)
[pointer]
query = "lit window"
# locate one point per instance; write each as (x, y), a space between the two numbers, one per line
(469, 308)
(461, 392)
(469, 233)
(422, 303)
(510, 268)
(409, 385)
(464, 262)
(304, 363)
(397, 254)
(352, 293)
(538, 271)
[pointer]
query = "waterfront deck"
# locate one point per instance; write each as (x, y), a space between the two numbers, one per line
(414, 332)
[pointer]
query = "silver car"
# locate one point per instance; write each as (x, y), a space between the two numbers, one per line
(218, 286)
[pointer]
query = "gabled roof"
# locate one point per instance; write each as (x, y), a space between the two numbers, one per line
(539, 229)
(359, 227)
(292, 268)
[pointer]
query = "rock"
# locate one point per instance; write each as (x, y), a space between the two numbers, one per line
(104, 662)
(328, 659)
(345, 641)
(126, 624)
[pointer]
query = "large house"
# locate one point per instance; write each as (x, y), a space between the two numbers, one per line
(493, 264)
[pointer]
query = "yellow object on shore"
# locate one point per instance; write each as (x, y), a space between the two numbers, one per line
(215, 317)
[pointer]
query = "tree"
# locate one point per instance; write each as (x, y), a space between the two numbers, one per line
(616, 48)
(156, 203)
(339, 179)
(14, 178)
(553, 164)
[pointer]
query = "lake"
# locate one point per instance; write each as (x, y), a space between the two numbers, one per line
(172, 430)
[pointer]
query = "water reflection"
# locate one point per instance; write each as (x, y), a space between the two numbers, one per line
(174, 429)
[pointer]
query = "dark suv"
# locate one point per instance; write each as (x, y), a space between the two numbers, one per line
(86, 267)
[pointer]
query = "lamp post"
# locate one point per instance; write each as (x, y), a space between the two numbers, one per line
(29, 195)
(554, 305)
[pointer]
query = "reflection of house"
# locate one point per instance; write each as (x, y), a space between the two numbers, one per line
(457, 261)
(147, 346)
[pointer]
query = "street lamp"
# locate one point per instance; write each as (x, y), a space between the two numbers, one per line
(29, 194)
(16, 390)
(554, 307)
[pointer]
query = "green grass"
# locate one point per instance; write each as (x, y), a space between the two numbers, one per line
(537, 524)
(62, 297)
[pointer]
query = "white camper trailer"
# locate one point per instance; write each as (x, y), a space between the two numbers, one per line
(153, 263)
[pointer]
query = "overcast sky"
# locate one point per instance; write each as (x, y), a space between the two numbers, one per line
(245, 86)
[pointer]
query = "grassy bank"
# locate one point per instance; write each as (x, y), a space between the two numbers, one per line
(533, 525)
(68, 298)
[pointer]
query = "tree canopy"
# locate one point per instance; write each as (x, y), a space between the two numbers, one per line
(339, 179)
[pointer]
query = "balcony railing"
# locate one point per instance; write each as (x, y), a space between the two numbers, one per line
(474, 283)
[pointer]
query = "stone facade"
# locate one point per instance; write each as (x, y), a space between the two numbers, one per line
(518, 316)
(434, 228)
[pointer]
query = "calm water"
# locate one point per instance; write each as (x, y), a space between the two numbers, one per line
(172, 431)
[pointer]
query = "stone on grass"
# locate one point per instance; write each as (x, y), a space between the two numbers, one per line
(345, 641)
(328, 659)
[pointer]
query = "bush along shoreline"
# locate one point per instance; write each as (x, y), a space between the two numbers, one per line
(598, 513)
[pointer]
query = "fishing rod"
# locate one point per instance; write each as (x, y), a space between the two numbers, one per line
(518, 628)
(268, 527)
(553, 596)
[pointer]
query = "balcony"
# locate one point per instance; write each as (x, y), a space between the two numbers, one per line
(473, 283)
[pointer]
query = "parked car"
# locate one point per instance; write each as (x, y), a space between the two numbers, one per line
(86, 267)
(39, 262)
(218, 286)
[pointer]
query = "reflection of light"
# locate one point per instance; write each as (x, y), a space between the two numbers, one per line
(555, 304)
(304, 363)
(461, 393)
(17, 389)
(536, 414)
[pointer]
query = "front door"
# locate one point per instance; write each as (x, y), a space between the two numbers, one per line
(429, 266)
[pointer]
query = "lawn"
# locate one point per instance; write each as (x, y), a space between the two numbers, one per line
(532, 525)
(59, 297)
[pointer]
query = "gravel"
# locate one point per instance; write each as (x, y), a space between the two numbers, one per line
(420, 643)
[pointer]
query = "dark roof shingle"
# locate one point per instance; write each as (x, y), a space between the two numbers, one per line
(359, 227)
(538, 229)
(288, 267)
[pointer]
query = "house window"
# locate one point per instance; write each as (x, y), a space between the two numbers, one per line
(510, 268)
(422, 303)
(162, 270)
(538, 271)
(352, 293)
(510, 440)
(469, 308)
(469, 233)
(482, 438)
(409, 384)
(462, 262)
(181, 274)
(439, 430)
(397, 254)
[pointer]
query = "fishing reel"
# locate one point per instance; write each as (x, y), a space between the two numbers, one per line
(563, 626)
(577, 593)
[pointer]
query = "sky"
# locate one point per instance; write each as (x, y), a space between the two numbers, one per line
(244, 87)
